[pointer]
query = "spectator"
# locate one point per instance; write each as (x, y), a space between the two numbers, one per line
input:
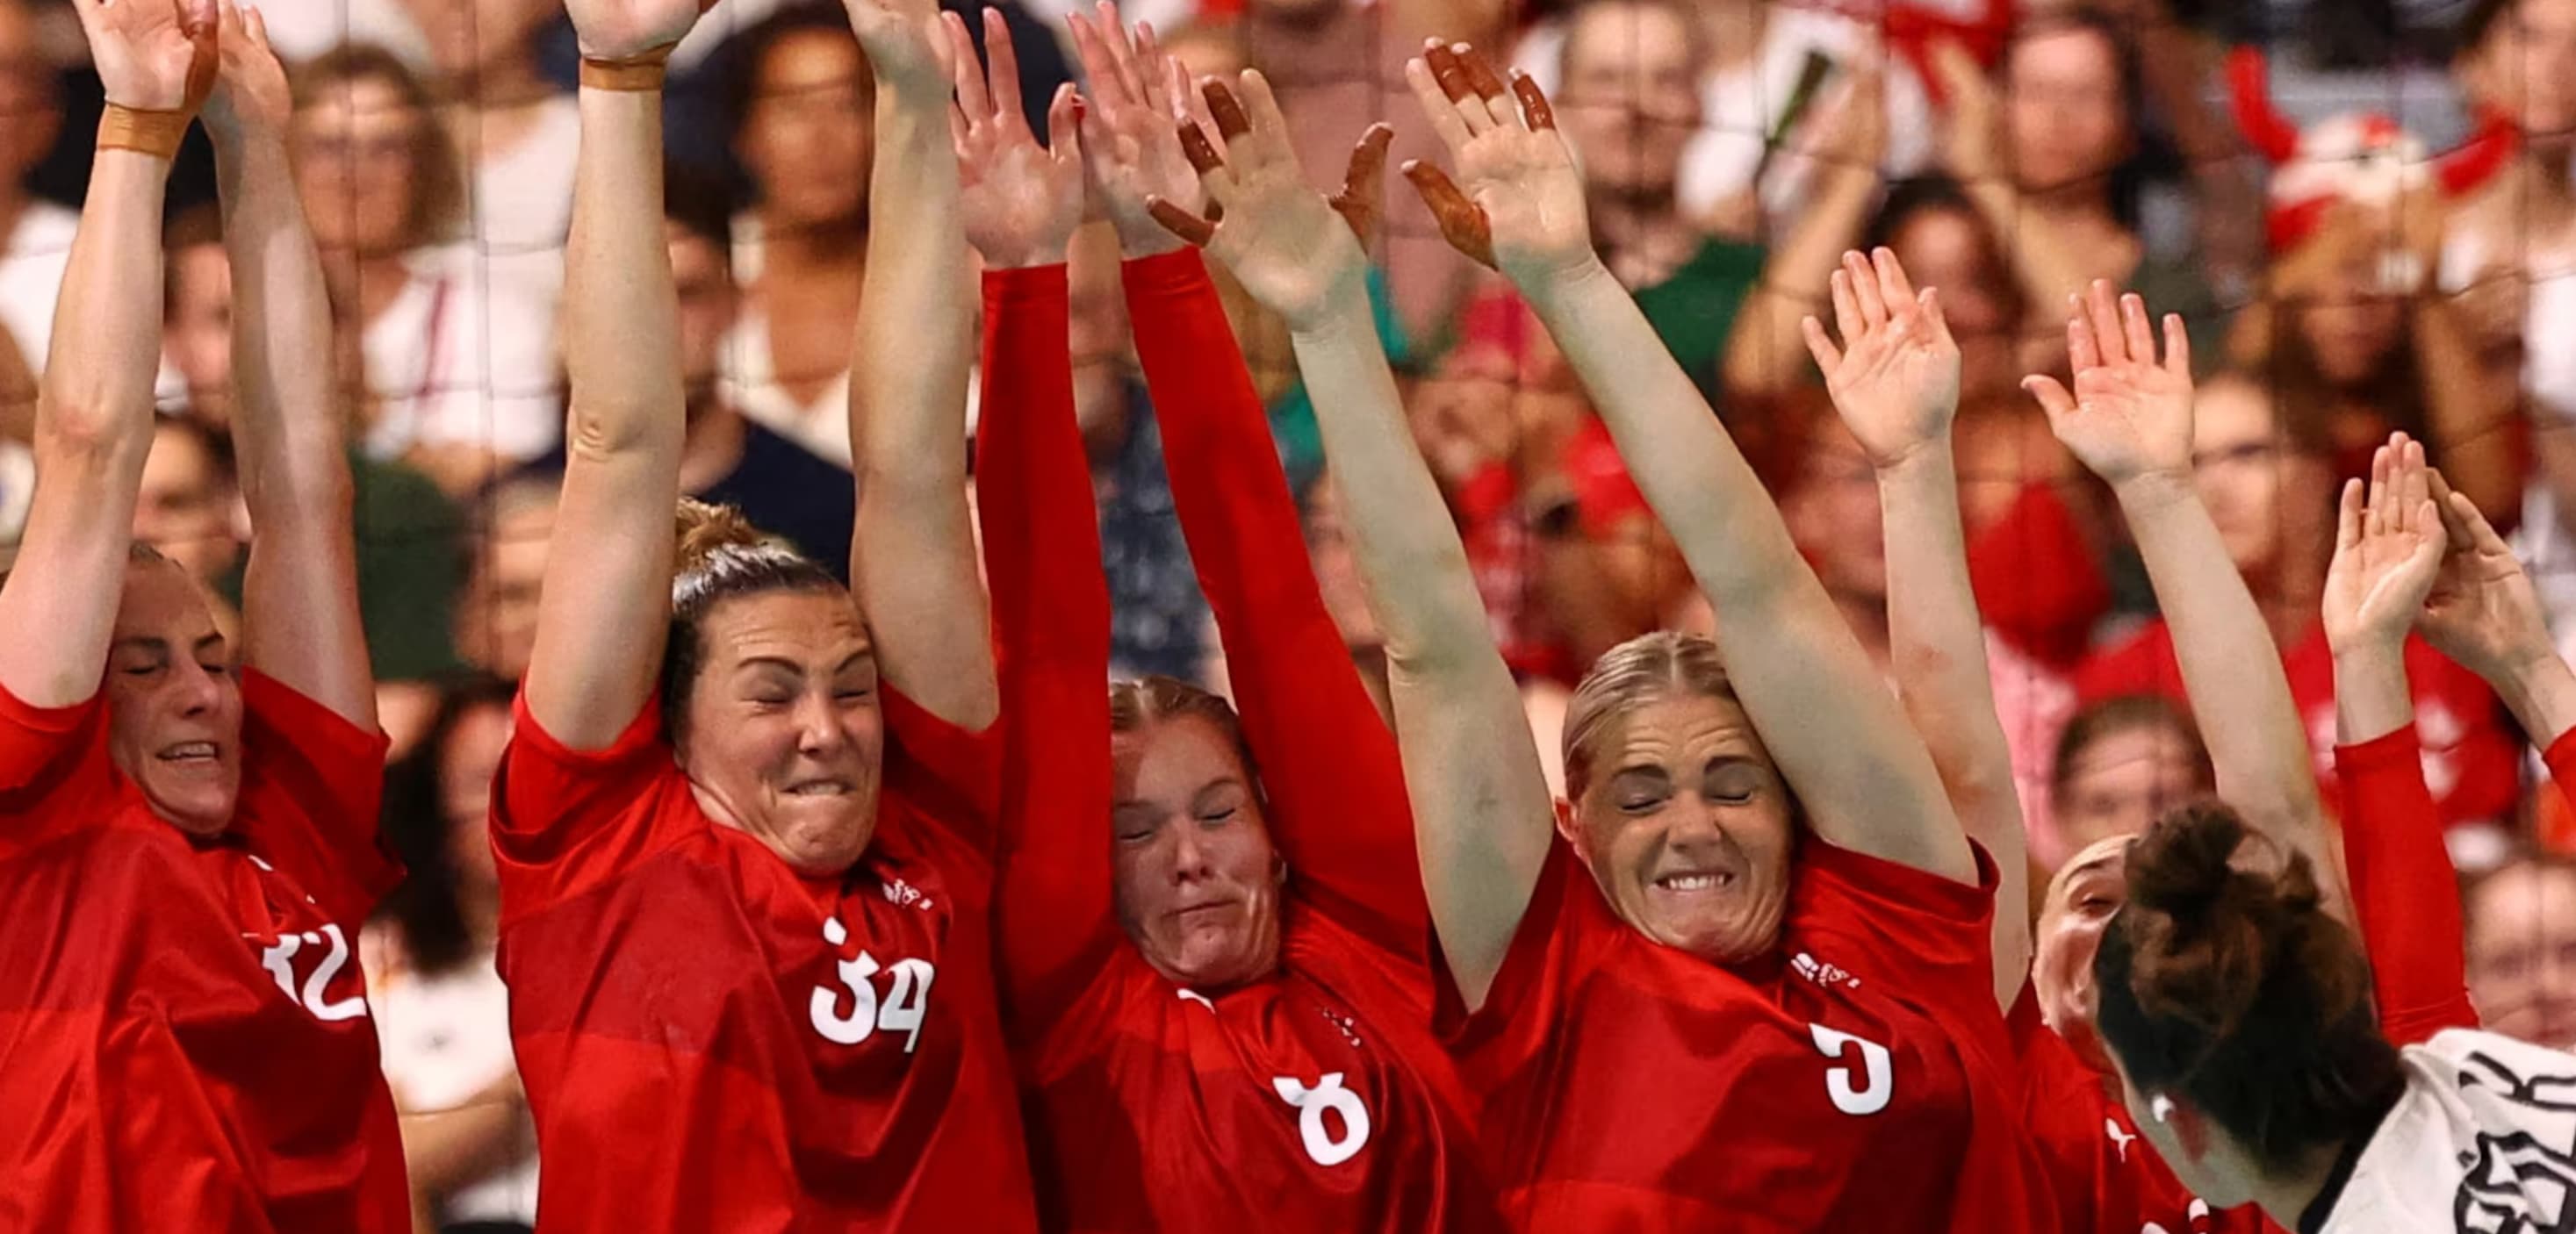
(1936, 231)
(802, 105)
(496, 617)
(2522, 950)
(188, 507)
(35, 235)
(442, 1014)
(2120, 764)
(518, 131)
(2266, 473)
(458, 365)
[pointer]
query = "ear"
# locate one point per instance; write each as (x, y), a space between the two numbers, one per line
(1567, 827)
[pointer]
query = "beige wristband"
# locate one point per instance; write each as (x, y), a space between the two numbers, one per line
(629, 73)
(157, 133)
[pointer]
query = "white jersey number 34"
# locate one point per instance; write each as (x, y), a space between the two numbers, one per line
(906, 1001)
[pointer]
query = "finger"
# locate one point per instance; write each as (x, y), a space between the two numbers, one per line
(1094, 58)
(2348, 529)
(1535, 110)
(2177, 347)
(2415, 501)
(1461, 222)
(1122, 53)
(255, 23)
(1224, 108)
(1149, 59)
(966, 71)
(1930, 299)
(2138, 333)
(1064, 126)
(2482, 534)
(1364, 186)
(1487, 84)
(1196, 147)
(1436, 107)
(2083, 351)
(2454, 528)
(1847, 318)
(2375, 506)
(1820, 345)
(1189, 227)
(2102, 307)
(1864, 285)
(1261, 110)
(2051, 395)
(1450, 70)
(1892, 283)
(961, 133)
(1005, 71)
(198, 21)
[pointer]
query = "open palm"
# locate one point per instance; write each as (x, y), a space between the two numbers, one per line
(2129, 415)
(152, 55)
(1895, 380)
(1130, 143)
(625, 29)
(1292, 248)
(1019, 203)
(250, 88)
(2388, 550)
(2482, 610)
(907, 45)
(1522, 208)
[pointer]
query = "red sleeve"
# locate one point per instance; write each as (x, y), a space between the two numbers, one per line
(1929, 936)
(48, 755)
(2405, 895)
(1051, 633)
(1329, 769)
(565, 821)
(312, 791)
(2561, 760)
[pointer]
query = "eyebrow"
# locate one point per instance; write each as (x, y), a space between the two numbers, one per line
(161, 646)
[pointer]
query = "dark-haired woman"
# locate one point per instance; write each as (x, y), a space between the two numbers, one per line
(2239, 1012)
(743, 883)
(442, 1014)
(1212, 925)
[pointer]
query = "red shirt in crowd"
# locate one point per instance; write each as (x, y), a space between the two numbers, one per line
(1316, 1098)
(1862, 1081)
(184, 1037)
(713, 1042)
(2470, 758)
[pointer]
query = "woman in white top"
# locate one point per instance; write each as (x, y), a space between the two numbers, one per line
(459, 359)
(442, 1014)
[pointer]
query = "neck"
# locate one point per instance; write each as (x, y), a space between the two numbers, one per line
(2285, 1197)
(506, 82)
(714, 444)
(1642, 235)
(363, 286)
(2289, 595)
(2084, 202)
(13, 203)
(1735, 29)
(814, 249)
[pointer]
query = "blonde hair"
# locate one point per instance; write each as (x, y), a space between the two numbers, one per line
(1153, 699)
(1646, 669)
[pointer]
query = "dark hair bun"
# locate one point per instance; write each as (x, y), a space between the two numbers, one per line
(2203, 938)
(706, 529)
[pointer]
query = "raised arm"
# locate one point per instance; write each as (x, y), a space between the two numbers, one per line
(621, 348)
(912, 556)
(1328, 762)
(1896, 384)
(2388, 549)
(300, 591)
(2484, 614)
(1481, 807)
(94, 406)
(2129, 421)
(1041, 545)
(1859, 771)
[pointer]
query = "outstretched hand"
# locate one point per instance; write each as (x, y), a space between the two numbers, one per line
(2129, 416)
(1895, 379)
(1019, 203)
(250, 95)
(629, 29)
(1282, 240)
(2388, 551)
(1131, 145)
(152, 55)
(1522, 209)
(907, 46)
(2482, 611)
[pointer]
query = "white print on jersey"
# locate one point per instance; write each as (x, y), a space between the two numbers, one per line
(2522, 1182)
(1822, 973)
(905, 894)
(2119, 1139)
(2197, 1215)
(902, 1010)
(279, 959)
(1194, 996)
(1311, 1103)
(1876, 1063)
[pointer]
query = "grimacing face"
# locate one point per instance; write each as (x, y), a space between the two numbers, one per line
(174, 706)
(783, 736)
(2080, 902)
(1688, 829)
(1197, 880)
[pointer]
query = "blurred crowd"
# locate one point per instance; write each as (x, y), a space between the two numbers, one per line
(2363, 208)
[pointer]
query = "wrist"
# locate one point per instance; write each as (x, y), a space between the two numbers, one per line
(2367, 651)
(1923, 458)
(2153, 491)
(1557, 284)
(153, 132)
(1035, 257)
(1341, 316)
(1150, 239)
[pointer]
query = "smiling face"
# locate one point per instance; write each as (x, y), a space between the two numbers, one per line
(174, 708)
(1197, 880)
(783, 737)
(1687, 827)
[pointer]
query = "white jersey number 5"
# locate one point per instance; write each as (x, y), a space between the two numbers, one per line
(1877, 1066)
(906, 1001)
(1311, 1103)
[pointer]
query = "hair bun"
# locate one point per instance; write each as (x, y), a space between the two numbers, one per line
(706, 529)
(2181, 866)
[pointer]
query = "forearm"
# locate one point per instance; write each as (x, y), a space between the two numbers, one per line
(621, 314)
(2230, 667)
(1768, 351)
(287, 430)
(2541, 692)
(106, 349)
(2371, 696)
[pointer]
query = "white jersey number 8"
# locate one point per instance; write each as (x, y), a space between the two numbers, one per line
(906, 1002)
(1311, 1103)
(1877, 1065)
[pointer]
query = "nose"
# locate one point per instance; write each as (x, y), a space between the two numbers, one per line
(1190, 855)
(196, 691)
(818, 725)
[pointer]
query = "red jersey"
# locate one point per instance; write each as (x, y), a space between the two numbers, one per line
(2108, 1178)
(2471, 760)
(184, 1037)
(715, 1043)
(1316, 1098)
(1862, 1082)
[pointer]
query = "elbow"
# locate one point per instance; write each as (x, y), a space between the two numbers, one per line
(621, 429)
(84, 433)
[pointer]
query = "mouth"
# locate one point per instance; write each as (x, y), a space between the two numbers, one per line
(1199, 914)
(1694, 882)
(188, 754)
(822, 787)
